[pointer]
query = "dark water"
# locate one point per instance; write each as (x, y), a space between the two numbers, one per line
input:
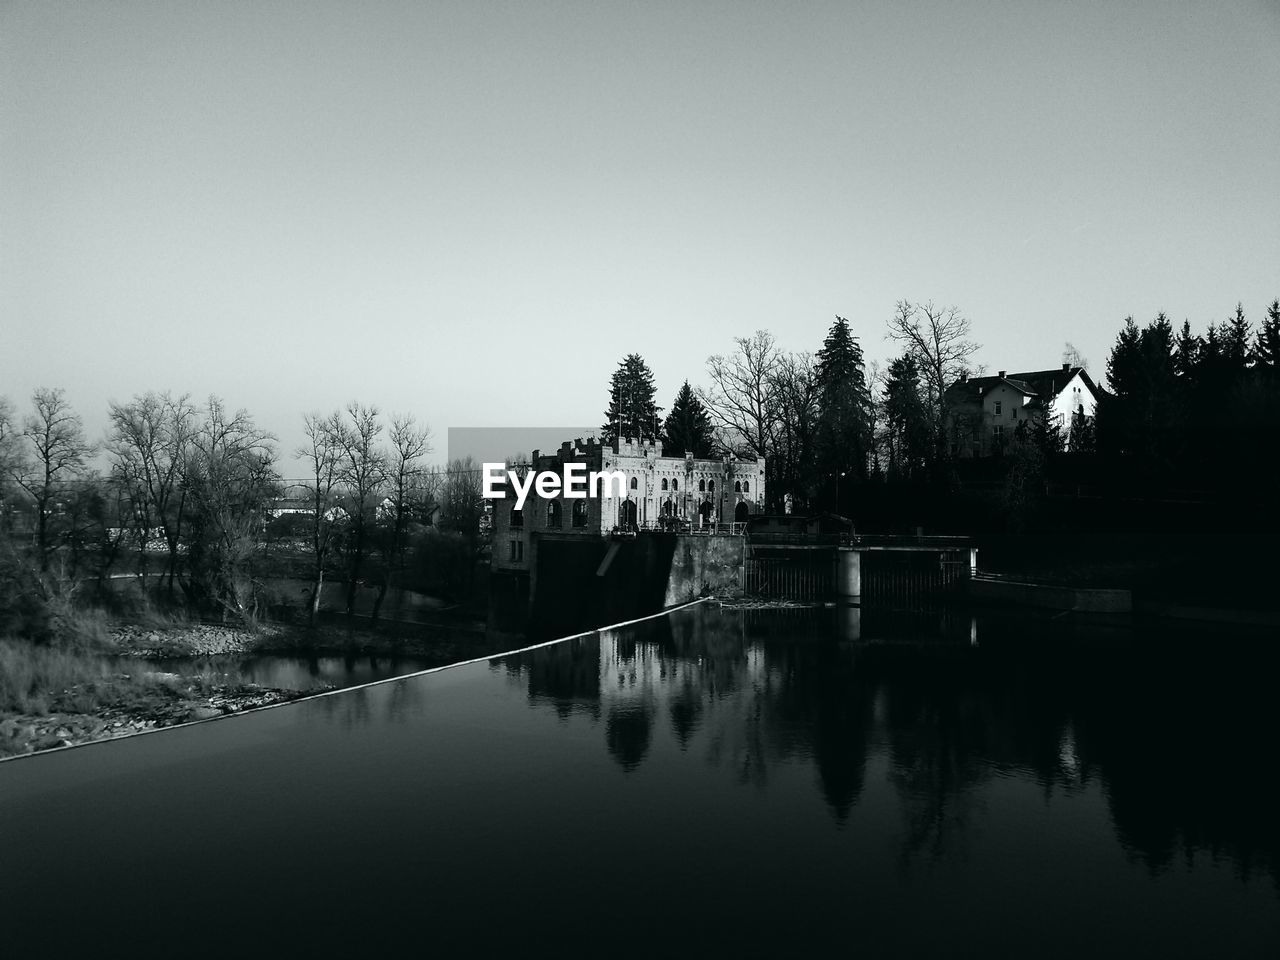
(707, 783)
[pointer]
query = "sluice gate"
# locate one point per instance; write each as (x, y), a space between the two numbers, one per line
(887, 572)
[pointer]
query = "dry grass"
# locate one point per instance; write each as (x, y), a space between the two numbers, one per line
(38, 680)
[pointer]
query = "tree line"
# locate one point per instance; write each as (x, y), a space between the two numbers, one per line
(831, 424)
(825, 420)
(189, 505)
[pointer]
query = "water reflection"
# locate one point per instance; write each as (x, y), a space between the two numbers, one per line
(1179, 751)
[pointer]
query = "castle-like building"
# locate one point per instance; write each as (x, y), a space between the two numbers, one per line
(661, 492)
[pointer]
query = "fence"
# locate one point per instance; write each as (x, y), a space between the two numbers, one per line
(901, 579)
(805, 578)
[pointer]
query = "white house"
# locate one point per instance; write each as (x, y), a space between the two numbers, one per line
(984, 412)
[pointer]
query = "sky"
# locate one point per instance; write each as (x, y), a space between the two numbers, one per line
(471, 211)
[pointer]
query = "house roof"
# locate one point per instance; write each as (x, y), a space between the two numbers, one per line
(1042, 384)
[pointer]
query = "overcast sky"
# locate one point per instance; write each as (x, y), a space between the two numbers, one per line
(471, 210)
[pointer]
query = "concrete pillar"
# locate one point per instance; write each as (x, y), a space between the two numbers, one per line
(849, 575)
(849, 620)
(973, 562)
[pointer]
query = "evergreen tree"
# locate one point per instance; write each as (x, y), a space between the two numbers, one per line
(1083, 437)
(907, 429)
(1047, 435)
(1235, 340)
(687, 428)
(631, 406)
(1186, 353)
(1115, 408)
(1140, 411)
(1266, 351)
(844, 406)
(1213, 369)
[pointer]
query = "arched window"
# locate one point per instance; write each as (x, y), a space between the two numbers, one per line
(675, 484)
(737, 486)
(517, 517)
(634, 484)
(711, 486)
(553, 513)
(702, 486)
(664, 483)
(579, 513)
(746, 486)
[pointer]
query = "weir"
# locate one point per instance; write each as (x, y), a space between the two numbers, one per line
(649, 571)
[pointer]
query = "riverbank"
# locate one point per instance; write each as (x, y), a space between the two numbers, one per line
(52, 697)
(57, 695)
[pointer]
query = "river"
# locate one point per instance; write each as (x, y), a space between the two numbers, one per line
(711, 781)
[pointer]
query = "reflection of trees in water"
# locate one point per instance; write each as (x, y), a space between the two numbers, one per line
(347, 709)
(739, 721)
(1174, 742)
(401, 701)
(1183, 735)
(565, 676)
(404, 699)
(627, 733)
(954, 718)
(761, 702)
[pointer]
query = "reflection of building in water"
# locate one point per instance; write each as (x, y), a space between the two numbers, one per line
(640, 682)
(736, 699)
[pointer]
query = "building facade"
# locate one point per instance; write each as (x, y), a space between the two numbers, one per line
(661, 493)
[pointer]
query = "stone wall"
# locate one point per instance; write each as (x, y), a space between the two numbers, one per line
(710, 564)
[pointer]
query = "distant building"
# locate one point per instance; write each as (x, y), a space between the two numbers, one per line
(984, 412)
(662, 492)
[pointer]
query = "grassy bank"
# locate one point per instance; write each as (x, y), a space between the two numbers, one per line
(52, 696)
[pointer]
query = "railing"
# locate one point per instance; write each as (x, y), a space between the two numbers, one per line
(682, 527)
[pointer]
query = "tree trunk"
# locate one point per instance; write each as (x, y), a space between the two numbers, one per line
(315, 594)
(377, 602)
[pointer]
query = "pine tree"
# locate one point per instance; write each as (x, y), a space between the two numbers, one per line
(1235, 340)
(1266, 350)
(844, 405)
(906, 419)
(1186, 353)
(1047, 435)
(1083, 437)
(1138, 413)
(687, 428)
(631, 406)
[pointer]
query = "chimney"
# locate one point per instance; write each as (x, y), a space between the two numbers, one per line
(1066, 366)
(1002, 373)
(964, 376)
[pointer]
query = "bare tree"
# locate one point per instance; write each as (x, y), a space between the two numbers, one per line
(875, 385)
(1073, 356)
(937, 338)
(363, 470)
(409, 444)
(57, 452)
(320, 453)
(462, 500)
(796, 393)
(148, 440)
(231, 478)
(10, 457)
(741, 397)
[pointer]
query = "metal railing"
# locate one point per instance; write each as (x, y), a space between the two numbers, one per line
(682, 527)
